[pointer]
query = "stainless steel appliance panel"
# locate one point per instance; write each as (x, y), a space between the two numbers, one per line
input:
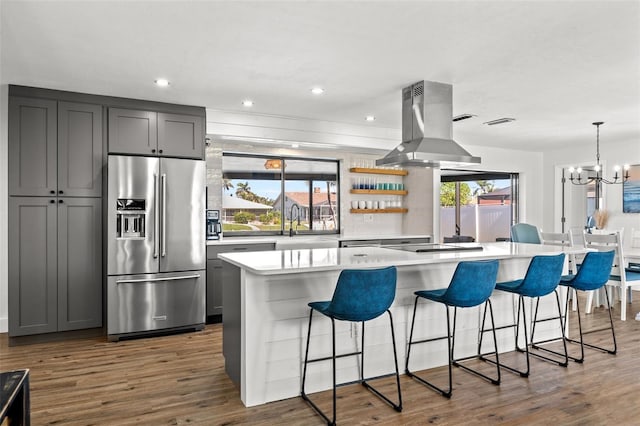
(151, 302)
(135, 178)
(182, 215)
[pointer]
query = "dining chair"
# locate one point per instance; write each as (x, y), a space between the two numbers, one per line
(560, 239)
(622, 277)
(525, 233)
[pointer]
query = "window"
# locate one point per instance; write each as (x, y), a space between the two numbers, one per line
(271, 195)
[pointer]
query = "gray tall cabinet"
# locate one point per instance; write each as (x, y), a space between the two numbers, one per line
(58, 144)
(55, 219)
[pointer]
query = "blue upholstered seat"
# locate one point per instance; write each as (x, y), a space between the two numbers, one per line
(541, 279)
(593, 273)
(471, 285)
(525, 233)
(360, 295)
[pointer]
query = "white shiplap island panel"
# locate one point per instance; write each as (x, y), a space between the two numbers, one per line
(265, 296)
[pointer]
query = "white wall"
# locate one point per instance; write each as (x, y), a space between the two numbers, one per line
(529, 165)
(611, 153)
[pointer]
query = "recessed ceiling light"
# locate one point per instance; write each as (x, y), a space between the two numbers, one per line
(162, 82)
(370, 118)
(295, 145)
(317, 90)
(247, 103)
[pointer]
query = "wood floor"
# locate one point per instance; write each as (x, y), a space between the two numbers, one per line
(180, 379)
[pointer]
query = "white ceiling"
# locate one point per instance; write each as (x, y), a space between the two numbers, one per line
(555, 66)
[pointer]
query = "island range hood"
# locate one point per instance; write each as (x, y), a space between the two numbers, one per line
(427, 113)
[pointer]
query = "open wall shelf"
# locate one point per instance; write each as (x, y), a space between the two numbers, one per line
(379, 171)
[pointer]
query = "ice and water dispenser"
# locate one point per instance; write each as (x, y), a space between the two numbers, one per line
(130, 218)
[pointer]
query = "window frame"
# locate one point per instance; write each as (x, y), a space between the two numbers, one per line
(310, 178)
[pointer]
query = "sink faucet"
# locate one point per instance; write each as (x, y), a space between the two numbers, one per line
(291, 231)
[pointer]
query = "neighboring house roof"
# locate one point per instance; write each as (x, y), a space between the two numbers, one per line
(498, 194)
(302, 198)
(236, 203)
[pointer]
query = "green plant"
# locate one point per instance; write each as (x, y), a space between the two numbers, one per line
(448, 194)
(243, 217)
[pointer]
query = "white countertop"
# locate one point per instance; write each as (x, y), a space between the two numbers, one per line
(325, 259)
(306, 238)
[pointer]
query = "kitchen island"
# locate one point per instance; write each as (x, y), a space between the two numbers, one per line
(265, 298)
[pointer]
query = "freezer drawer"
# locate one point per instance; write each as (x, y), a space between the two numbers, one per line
(153, 302)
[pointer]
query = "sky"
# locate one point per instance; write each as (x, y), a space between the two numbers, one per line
(270, 188)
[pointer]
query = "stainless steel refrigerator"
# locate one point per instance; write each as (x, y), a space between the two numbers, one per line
(156, 254)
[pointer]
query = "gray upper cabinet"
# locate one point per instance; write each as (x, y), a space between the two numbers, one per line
(55, 148)
(79, 263)
(155, 134)
(32, 146)
(132, 132)
(79, 150)
(180, 136)
(32, 265)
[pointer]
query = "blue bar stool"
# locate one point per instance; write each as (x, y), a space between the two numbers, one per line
(592, 274)
(471, 285)
(360, 295)
(542, 278)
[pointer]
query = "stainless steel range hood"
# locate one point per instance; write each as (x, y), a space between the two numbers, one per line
(427, 114)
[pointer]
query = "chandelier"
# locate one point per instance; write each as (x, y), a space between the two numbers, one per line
(576, 177)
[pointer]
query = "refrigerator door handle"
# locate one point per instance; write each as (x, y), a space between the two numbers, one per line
(164, 215)
(155, 219)
(183, 277)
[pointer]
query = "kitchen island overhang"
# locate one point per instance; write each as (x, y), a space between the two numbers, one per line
(265, 296)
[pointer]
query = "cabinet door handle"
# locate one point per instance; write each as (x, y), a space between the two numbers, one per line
(52, 192)
(60, 192)
(160, 151)
(52, 201)
(152, 280)
(60, 201)
(153, 151)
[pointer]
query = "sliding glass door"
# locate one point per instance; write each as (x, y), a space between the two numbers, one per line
(477, 206)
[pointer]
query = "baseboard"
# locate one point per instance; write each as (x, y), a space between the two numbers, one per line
(4, 325)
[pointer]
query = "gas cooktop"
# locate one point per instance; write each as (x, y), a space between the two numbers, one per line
(435, 247)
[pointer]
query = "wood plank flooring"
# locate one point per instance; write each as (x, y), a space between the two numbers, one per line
(180, 379)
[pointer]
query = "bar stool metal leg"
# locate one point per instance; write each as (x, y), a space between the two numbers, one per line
(452, 361)
(589, 345)
(362, 380)
(535, 345)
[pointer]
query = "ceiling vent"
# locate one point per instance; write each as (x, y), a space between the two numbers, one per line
(465, 116)
(499, 121)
